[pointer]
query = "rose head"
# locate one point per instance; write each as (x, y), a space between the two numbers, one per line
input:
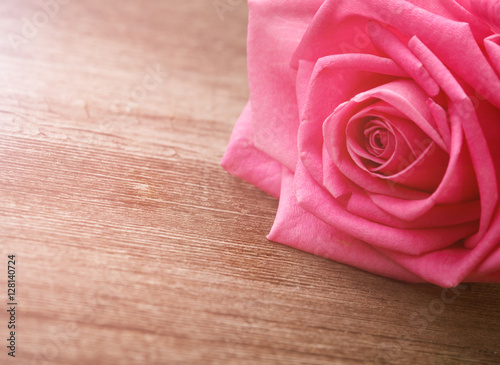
(375, 122)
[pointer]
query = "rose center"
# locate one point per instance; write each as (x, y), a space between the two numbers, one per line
(377, 138)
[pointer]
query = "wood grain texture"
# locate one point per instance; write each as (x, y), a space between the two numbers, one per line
(135, 247)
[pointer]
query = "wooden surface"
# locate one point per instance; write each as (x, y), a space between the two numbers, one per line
(134, 247)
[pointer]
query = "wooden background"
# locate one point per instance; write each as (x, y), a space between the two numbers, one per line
(134, 247)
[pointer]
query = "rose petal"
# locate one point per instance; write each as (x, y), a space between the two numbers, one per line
(334, 180)
(298, 228)
(242, 159)
(304, 75)
(362, 205)
(313, 198)
(492, 45)
(344, 22)
(440, 117)
(426, 172)
(478, 147)
(358, 202)
(275, 29)
(449, 267)
(489, 10)
(458, 185)
(491, 264)
(439, 267)
(387, 42)
(339, 186)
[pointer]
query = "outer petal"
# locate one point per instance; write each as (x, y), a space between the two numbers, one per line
(492, 45)
(479, 152)
(275, 30)
(489, 10)
(342, 24)
(449, 267)
(242, 159)
(445, 267)
(491, 265)
(297, 228)
(316, 200)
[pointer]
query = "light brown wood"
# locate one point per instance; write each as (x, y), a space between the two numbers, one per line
(134, 247)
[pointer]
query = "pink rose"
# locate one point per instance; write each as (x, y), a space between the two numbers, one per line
(375, 122)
